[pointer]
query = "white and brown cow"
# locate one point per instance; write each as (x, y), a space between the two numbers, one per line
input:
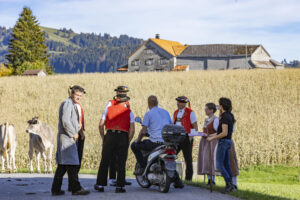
(8, 145)
(41, 141)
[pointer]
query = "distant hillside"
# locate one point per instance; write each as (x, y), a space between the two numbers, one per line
(85, 52)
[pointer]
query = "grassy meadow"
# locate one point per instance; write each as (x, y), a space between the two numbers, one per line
(266, 104)
(263, 183)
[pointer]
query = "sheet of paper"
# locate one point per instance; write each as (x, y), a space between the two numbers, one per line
(195, 133)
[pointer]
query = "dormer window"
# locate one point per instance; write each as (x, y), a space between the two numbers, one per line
(149, 51)
(149, 62)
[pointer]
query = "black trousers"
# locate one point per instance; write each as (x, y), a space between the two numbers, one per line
(113, 167)
(138, 147)
(114, 143)
(80, 145)
(72, 171)
(187, 149)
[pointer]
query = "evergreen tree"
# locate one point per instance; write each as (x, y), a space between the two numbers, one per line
(28, 44)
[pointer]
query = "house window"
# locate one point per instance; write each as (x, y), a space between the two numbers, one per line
(135, 63)
(149, 62)
(163, 61)
(148, 51)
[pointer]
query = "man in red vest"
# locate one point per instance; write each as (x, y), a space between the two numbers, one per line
(118, 121)
(186, 117)
(121, 91)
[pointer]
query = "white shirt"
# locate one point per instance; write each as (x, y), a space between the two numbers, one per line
(106, 109)
(79, 110)
(180, 114)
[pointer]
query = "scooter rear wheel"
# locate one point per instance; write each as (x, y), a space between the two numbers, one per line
(164, 185)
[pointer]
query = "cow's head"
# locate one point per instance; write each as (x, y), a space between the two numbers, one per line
(33, 125)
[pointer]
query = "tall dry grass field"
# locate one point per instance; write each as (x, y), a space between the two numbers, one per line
(265, 103)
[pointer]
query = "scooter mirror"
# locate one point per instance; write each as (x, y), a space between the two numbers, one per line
(138, 120)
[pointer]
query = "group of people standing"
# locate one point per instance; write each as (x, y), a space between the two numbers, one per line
(118, 122)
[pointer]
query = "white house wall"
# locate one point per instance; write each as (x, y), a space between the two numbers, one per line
(260, 54)
(156, 53)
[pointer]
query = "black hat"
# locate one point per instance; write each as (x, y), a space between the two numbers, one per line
(183, 99)
(122, 89)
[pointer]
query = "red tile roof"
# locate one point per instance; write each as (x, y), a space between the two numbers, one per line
(180, 68)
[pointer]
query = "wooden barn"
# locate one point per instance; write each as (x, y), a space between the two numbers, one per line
(226, 56)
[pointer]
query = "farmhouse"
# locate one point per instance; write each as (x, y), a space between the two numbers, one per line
(35, 72)
(163, 55)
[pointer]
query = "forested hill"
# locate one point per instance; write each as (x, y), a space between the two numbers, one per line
(85, 52)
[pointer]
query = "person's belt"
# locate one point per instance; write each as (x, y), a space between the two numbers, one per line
(160, 143)
(116, 131)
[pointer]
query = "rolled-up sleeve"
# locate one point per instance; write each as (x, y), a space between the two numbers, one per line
(146, 121)
(131, 117)
(70, 130)
(103, 117)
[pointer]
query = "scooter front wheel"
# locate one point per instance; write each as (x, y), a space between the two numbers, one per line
(142, 181)
(165, 183)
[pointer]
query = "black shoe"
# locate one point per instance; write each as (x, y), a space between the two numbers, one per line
(58, 193)
(235, 187)
(127, 182)
(81, 192)
(99, 188)
(178, 184)
(229, 188)
(120, 190)
(213, 182)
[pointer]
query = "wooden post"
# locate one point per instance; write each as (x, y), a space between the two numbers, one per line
(211, 166)
(246, 62)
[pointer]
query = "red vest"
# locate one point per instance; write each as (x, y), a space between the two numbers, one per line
(118, 117)
(185, 120)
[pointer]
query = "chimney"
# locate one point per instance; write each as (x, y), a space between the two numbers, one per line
(157, 36)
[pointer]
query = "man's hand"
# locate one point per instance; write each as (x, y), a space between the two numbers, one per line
(191, 138)
(136, 140)
(129, 138)
(76, 137)
(101, 129)
(82, 135)
(80, 126)
(131, 132)
(210, 138)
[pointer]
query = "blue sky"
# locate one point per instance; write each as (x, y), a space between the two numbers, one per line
(272, 23)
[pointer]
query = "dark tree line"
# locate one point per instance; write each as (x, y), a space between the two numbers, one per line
(84, 52)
